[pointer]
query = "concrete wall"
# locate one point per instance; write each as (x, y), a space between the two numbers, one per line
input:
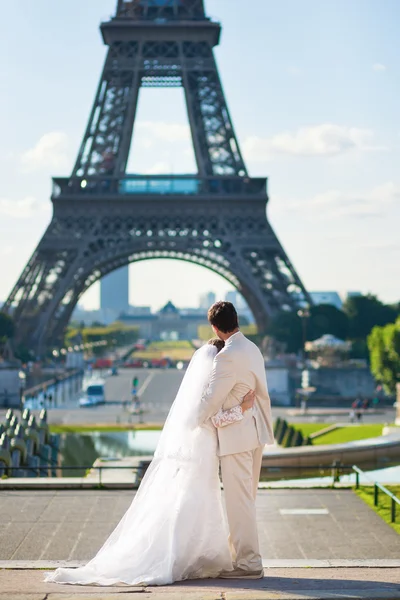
(9, 387)
(341, 383)
(279, 385)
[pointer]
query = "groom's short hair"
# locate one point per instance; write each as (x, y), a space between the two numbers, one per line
(223, 316)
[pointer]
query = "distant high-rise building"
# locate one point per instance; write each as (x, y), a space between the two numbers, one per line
(114, 290)
(206, 300)
(240, 304)
(332, 298)
(237, 299)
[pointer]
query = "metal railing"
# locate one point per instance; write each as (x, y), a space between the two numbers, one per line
(335, 470)
(378, 486)
(43, 469)
(159, 185)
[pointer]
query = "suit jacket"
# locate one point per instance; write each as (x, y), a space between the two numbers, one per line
(238, 368)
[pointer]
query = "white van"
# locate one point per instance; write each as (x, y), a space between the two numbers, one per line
(93, 393)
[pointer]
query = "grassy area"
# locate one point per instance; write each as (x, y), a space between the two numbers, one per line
(309, 428)
(175, 350)
(383, 510)
(205, 332)
(171, 345)
(350, 434)
(344, 434)
(103, 428)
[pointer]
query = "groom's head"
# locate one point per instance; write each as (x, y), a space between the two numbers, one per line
(223, 319)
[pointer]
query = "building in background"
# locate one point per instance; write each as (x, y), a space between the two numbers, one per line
(169, 323)
(206, 300)
(241, 306)
(114, 291)
(332, 298)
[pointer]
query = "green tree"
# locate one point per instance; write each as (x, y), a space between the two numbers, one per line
(384, 349)
(366, 312)
(7, 327)
(326, 318)
(287, 328)
(292, 330)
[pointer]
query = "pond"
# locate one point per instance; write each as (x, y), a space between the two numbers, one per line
(82, 449)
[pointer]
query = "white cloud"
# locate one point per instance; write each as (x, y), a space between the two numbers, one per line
(50, 152)
(379, 67)
(19, 209)
(318, 140)
(337, 203)
(169, 132)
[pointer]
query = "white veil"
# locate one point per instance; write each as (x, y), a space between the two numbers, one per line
(181, 430)
(175, 526)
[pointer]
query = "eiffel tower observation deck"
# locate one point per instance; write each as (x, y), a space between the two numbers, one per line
(105, 217)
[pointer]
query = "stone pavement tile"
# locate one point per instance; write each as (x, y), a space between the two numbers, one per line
(278, 583)
(12, 537)
(23, 596)
(70, 524)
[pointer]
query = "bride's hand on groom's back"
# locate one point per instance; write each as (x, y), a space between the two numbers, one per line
(248, 401)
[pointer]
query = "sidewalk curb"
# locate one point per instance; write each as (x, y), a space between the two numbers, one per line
(267, 564)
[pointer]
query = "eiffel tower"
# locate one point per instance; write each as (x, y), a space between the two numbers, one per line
(104, 218)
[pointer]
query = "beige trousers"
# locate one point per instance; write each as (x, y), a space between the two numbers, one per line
(240, 476)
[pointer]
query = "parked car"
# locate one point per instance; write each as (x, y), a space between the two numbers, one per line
(133, 364)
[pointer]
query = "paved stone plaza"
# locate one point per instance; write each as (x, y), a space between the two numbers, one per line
(293, 524)
(278, 584)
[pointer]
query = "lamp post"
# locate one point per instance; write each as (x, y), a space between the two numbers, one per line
(304, 314)
(22, 386)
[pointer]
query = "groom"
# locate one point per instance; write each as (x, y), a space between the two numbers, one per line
(238, 368)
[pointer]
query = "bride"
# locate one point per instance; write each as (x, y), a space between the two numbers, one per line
(175, 527)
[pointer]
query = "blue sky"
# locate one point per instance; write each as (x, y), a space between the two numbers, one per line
(313, 87)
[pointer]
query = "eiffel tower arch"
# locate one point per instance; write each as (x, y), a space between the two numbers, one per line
(104, 218)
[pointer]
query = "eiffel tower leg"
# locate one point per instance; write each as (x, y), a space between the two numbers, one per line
(216, 148)
(106, 143)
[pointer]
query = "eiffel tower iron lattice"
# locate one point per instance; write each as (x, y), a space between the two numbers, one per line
(104, 218)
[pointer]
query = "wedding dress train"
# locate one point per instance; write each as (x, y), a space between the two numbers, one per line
(175, 527)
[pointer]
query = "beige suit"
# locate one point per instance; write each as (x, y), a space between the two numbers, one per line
(238, 368)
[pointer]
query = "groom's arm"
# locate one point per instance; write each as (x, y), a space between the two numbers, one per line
(222, 381)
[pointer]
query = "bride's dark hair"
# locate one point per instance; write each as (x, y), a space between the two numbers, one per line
(219, 344)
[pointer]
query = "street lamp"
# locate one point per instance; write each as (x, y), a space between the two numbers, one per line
(304, 314)
(22, 386)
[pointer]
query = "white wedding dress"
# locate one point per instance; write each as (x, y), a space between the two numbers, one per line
(175, 527)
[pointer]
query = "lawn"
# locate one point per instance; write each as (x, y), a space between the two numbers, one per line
(309, 428)
(343, 434)
(383, 510)
(205, 332)
(350, 434)
(178, 350)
